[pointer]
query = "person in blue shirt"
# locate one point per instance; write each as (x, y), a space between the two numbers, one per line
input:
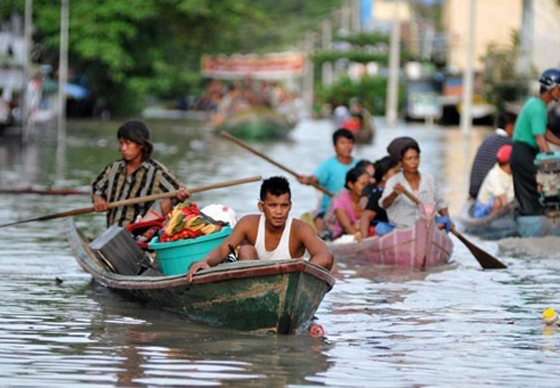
(331, 174)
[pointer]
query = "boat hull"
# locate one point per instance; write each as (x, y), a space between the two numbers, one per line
(275, 296)
(493, 227)
(505, 223)
(421, 246)
(257, 125)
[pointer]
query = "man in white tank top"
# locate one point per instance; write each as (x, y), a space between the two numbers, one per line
(272, 235)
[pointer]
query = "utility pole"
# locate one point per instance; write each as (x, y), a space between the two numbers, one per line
(468, 74)
(327, 70)
(63, 72)
(356, 15)
(526, 39)
(394, 66)
(309, 73)
(28, 30)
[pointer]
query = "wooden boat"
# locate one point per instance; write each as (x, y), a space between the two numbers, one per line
(497, 225)
(505, 223)
(257, 124)
(364, 135)
(274, 296)
(421, 246)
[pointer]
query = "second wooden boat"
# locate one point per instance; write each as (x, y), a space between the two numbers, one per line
(278, 296)
(257, 124)
(497, 225)
(421, 246)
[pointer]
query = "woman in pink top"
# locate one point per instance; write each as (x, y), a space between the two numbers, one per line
(344, 213)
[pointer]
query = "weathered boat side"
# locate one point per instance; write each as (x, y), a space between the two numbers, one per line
(421, 246)
(280, 296)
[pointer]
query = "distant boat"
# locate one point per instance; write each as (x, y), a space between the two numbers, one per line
(257, 124)
(505, 223)
(279, 296)
(495, 226)
(421, 246)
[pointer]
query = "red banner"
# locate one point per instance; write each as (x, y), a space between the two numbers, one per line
(269, 66)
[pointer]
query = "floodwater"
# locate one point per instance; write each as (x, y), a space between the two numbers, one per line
(454, 326)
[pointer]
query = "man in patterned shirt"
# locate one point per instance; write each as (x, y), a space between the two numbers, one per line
(135, 175)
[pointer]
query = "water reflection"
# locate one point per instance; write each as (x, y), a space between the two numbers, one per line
(163, 349)
(454, 326)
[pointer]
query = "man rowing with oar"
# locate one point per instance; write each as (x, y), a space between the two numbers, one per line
(135, 175)
(272, 235)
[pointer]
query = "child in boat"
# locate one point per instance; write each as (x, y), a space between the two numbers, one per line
(331, 173)
(385, 168)
(497, 188)
(401, 210)
(345, 211)
(272, 235)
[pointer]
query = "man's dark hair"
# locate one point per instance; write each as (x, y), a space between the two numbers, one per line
(137, 132)
(342, 132)
(353, 174)
(506, 118)
(382, 166)
(276, 185)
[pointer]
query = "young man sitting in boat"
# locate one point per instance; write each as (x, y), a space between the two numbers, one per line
(272, 235)
(133, 176)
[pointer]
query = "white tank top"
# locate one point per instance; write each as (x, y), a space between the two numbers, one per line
(282, 251)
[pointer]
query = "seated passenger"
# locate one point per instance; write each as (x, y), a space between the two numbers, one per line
(486, 154)
(344, 213)
(497, 188)
(272, 235)
(373, 214)
(401, 210)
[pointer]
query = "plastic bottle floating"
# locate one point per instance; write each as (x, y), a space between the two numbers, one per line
(550, 317)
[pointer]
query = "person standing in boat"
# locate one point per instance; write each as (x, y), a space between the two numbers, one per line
(485, 157)
(272, 235)
(331, 174)
(135, 175)
(401, 210)
(529, 139)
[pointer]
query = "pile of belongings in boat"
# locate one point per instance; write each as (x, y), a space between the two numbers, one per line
(187, 221)
(184, 221)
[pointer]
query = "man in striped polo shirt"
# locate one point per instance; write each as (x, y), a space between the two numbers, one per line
(486, 155)
(135, 175)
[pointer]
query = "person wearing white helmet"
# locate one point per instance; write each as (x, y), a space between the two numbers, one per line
(529, 140)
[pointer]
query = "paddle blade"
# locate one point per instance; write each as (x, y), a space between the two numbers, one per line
(486, 260)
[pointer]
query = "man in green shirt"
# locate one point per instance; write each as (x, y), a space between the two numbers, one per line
(529, 140)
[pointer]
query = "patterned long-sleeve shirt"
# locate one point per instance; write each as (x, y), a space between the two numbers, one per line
(113, 184)
(403, 212)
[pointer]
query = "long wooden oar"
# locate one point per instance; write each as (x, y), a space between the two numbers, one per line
(281, 166)
(43, 191)
(133, 201)
(486, 260)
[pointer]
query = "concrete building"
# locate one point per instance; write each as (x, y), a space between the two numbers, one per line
(497, 22)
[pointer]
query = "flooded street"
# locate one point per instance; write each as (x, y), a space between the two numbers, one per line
(452, 326)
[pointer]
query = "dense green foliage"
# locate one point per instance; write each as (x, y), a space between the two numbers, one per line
(130, 49)
(371, 91)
